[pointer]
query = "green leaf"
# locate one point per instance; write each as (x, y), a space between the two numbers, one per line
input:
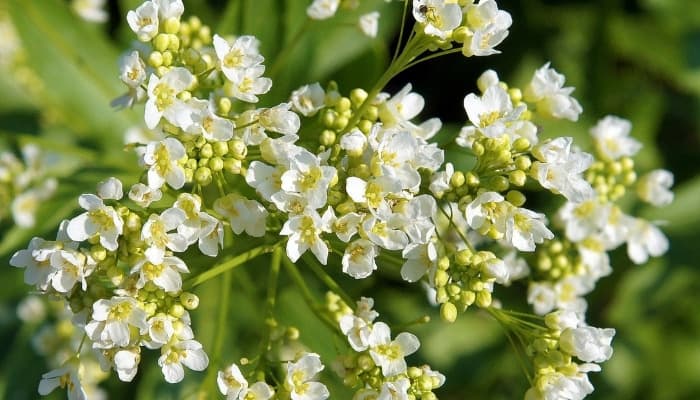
(76, 65)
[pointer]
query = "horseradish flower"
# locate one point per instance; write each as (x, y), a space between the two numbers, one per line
(132, 70)
(485, 208)
(588, 343)
(71, 267)
(99, 219)
(439, 17)
(644, 239)
(160, 331)
(304, 233)
(144, 21)
(654, 187)
(170, 9)
(183, 352)
(308, 177)
(369, 24)
(231, 382)
(110, 189)
(322, 9)
(487, 28)
(384, 234)
(583, 219)
(300, 375)
(126, 363)
(155, 234)
(112, 321)
(611, 136)
(199, 119)
(68, 377)
(143, 195)
(524, 228)
(395, 390)
(162, 158)
(492, 111)
(279, 119)
(420, 258)
(243, 214)
(559, 169)
(246, 84)
(165, 275)
(308, 99)
(358, 260)
(162, 96)
(236, 57)
(547, 91)
(389, 354)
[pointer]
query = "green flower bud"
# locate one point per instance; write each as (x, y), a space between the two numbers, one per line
(174, 43)
(206, 151)
(441, 278)
(189, 300)
(220, 148)
(161, 42)
(460, 34)
(483, 299)
(516, 95)
(365, 126)
(328, 118)
(467, 298)
(463, 257)
(327, 137)
(472, 179)
(457, 179)
(372, 113)
(171, 25)
(358, 96)
(629, 178)
(515, 197)
(340, 122)
(441, 295)
(343, 104)
(448, 312)
(224, 105)
(155, 59)
(523, 163)
(237, 149)
(233, 166)
(517, 177)
(499, 183)
(203, 176)
(216, 164)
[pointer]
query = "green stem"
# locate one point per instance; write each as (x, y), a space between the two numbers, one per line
(228, 265)
(306, 294)
(327, 279)
(430, 57)
(209, 383)
(403, 25)
(269, 309)
(461, 235)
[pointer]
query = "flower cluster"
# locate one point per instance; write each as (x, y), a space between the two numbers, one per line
(342, 180)
(24, 185)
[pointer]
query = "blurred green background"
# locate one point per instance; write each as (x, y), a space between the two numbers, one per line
(638, 59)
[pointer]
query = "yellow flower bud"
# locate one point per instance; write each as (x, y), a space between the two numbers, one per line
(203, 176)
(358, 96)
(155, 59)
(161, 42)
(515, 197)
(189, 300)
(483, 299)
(448, 312)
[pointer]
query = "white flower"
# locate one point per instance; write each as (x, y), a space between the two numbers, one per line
(300, 375)
(583, 219)
(165, 275)
(67, 376)
(25, 206)
(654, 187)
(440, 181)
(112, 320)
(160, 331)
(439, 17)
(308, 177)
(31, 309)
(486, 208)
(488, 27)
(156, 236)
(71, 267)
(143, 195)
(308, 99)
(243, 53)
(243, 214)
(389, 354)
(162, 96)
(162, 158)
(588, 343)
(358, 260)
(369, 24)
(98, 219)
(556, 385)
(516, 266)
(559, 169)
(492, 111)
(402, 107)
(170, 9)
(547, 91)
(384, 233)
(90, 10)
(396, 390)
(304, 233)
(246, 84)
(144, 21)
(644, 240)
(265, 179)
(210, 236)
(199, 118)
(126, 363)
(257, 391)
(524, 228)
(322, 9)
(420, 258)
(371, 194)
(611, 135)
(231, 382)
(132, 70)
(110, 189)
(357, 330)
(279, 119)
(185, 352)
(563, 319)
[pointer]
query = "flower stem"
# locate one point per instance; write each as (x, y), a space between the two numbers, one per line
(327, 279)
(228, 265)
(270, 301)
